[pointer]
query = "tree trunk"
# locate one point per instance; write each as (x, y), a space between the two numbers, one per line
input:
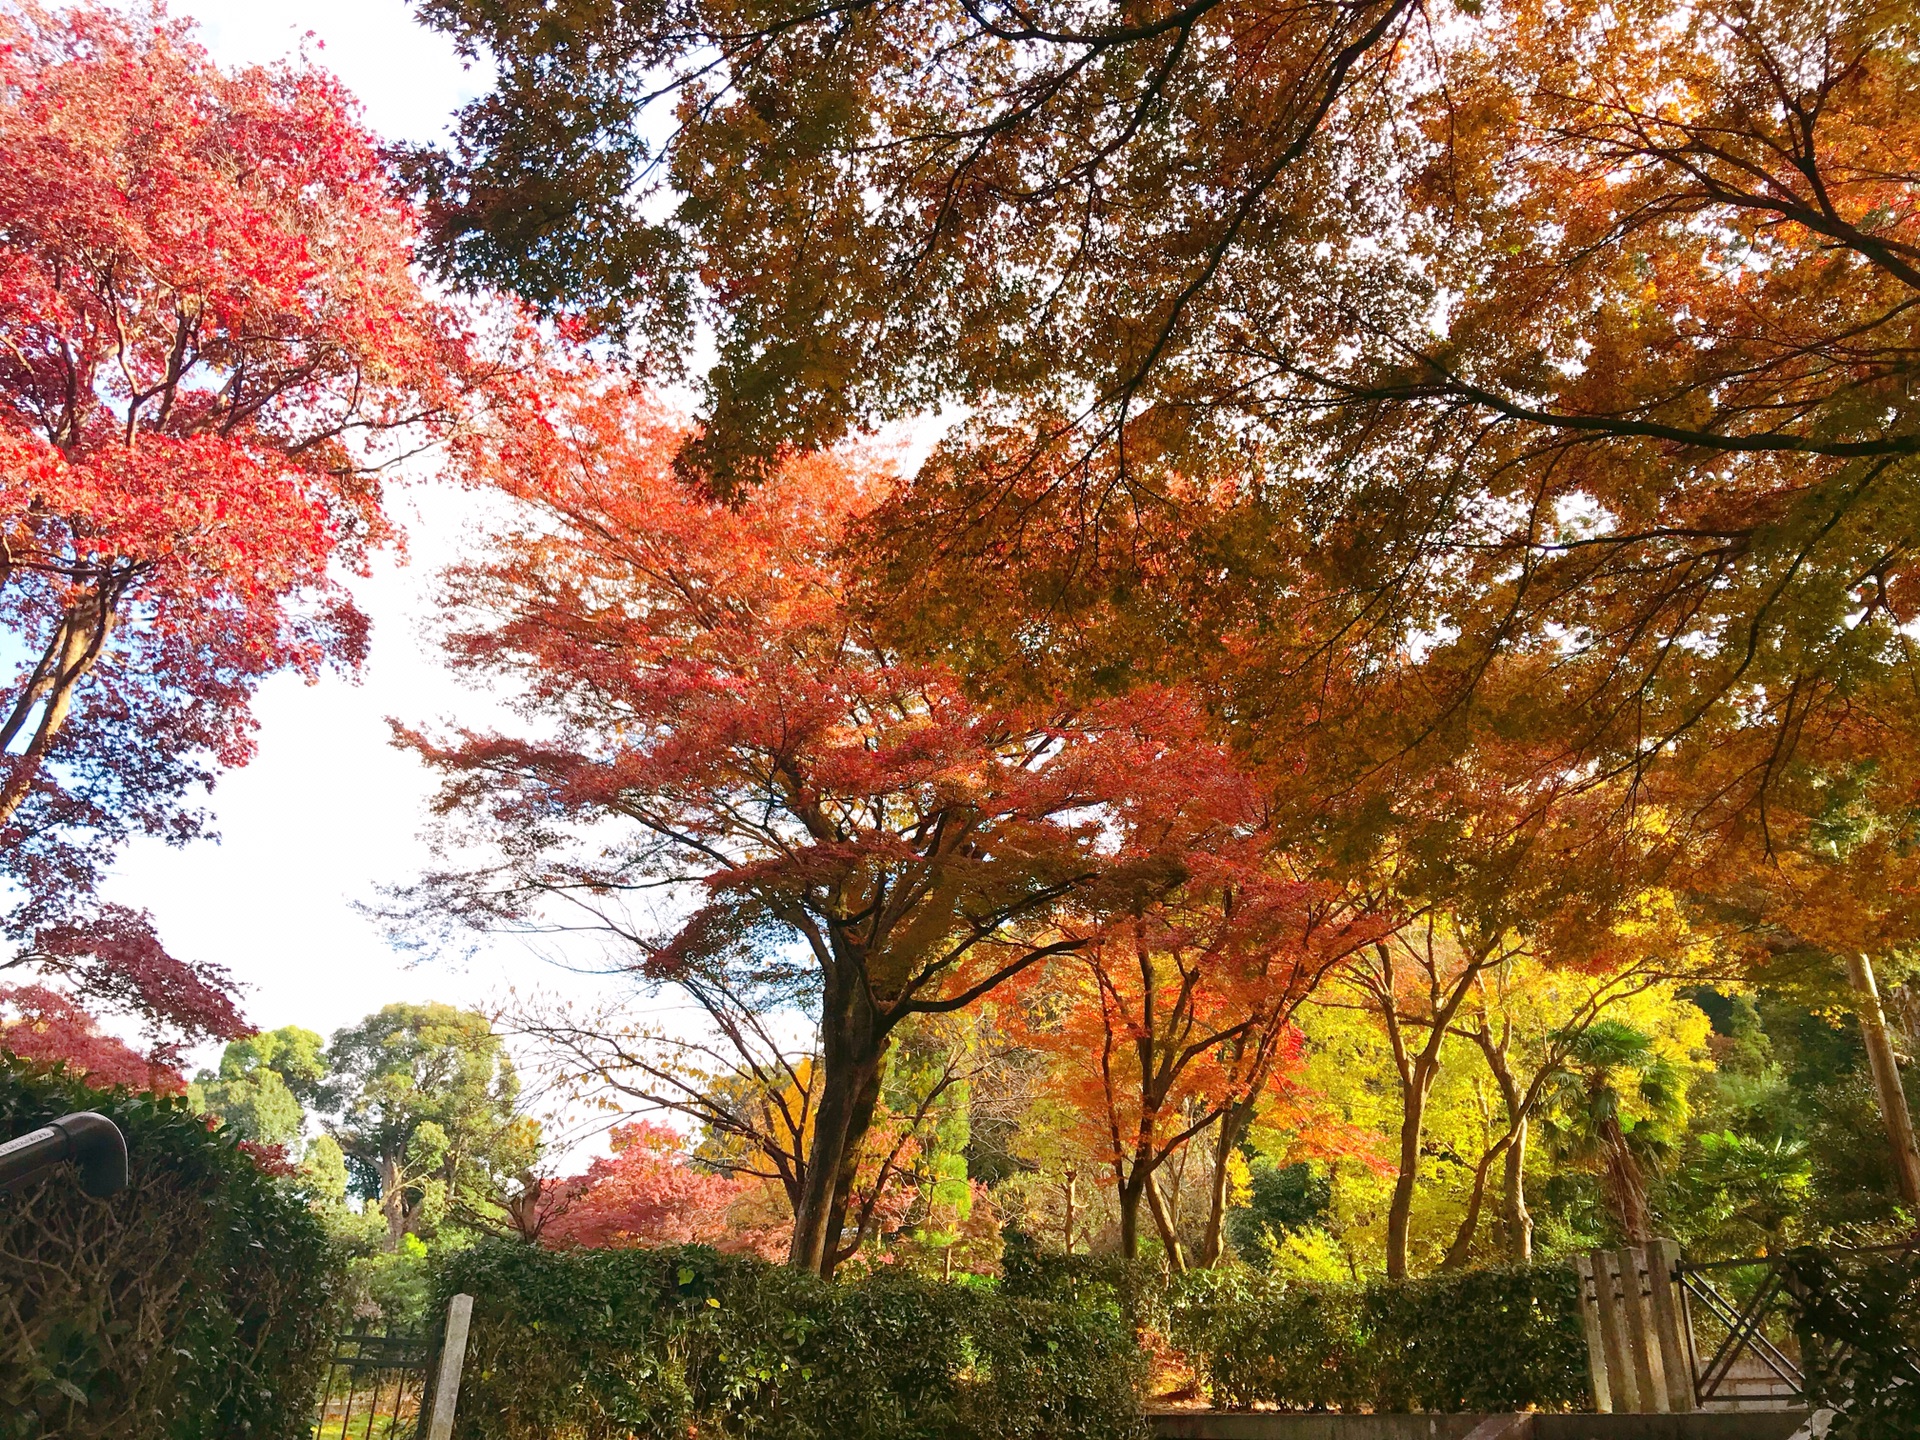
(852, 1048)
(393, 1203)
(1513, 1199)
(1516, 1222)
(1462, 1246)
(1626, 1185)
(1233, 1124)
(1163, 1220)
(1128, 1195)
(1412, 1128)
(75, 646)
(1894, 1113)
(860, 1121)
(1073, 1186)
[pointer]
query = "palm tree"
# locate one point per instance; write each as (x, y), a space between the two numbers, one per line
(1612, 1109)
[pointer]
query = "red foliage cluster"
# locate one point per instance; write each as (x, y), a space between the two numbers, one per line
(272, 1159)
(644, 1194)
(114, 956)
(212, 343)
(48, 1028)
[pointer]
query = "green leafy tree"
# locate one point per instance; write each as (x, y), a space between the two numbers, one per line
(421, 1100)
(264, 1084)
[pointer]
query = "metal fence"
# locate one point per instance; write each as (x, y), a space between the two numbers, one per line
(1740, 1337)
(376, 1384)
(387, 1384)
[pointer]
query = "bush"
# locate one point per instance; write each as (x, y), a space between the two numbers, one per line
(609, 1344)
(1858, 1320)
(1483, 1340)
(192, 1304)
(1134, 1291)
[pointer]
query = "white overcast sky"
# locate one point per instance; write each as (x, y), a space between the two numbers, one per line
(328, 811)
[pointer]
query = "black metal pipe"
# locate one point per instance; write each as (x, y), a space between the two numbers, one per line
(93, 1142)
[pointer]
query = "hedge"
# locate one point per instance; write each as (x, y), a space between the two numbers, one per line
(1482, 1340)
(191, 1306)
(1857, 1315)
(611, 1344)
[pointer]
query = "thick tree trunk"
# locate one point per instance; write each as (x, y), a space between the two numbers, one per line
(393, 1203)
(1894, 1113)
(1129, 1198)
(860, 1121)
(75, 646)
(852, 1049)
(1518, 1220)
(1626, 1186)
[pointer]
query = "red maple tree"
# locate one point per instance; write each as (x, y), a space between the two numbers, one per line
(48, 1028)
(644, 1194)
(1173, 1019)
(211, 345)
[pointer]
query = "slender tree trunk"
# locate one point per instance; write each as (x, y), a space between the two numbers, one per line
(1234, 1122)
(1513, 1199)
(72, 652)
(1412, 1129)
(1233, 1125)
(1516, 1222)
(1462, 1247)
(1163, 1220)
(1073, 1187)
(1886, 1079)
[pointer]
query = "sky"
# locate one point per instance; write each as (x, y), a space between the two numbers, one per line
(328, 812)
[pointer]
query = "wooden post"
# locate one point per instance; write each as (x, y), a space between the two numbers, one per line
(444, 1392)
(1649, 1374)
(1886, 1078)
(1663, 1259)
(1620, 1377)
(1596, 1343)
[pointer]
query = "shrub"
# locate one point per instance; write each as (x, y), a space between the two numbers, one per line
(191, 1305)
(1484, 1340)
(1858, 1320)
(1134, 1291)
(610, 1344)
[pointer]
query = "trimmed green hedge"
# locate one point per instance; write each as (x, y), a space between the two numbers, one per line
(1482, 1340)
(652, 1344)
(191, 1306)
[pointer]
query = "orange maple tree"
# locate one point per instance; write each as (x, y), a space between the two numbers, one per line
(707, 710)
(1173, 1018)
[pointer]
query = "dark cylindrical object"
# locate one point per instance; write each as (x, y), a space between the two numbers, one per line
(93, 1142)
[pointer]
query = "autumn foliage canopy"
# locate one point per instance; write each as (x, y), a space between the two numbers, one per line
(213, 344)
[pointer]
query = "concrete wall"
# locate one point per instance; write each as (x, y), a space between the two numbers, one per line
(1272, 1425)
